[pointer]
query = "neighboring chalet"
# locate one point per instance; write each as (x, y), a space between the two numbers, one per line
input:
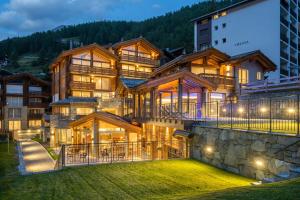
(150, 102)
(24, 99)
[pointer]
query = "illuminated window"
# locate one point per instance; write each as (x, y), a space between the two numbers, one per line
(84, 111)
(259, 76)
(243, 76)
(197, 70)
(14, 125)
(205, 21)
(35, 123)
(81, 94)
(79, 78)
(216, 16)
(102, 83)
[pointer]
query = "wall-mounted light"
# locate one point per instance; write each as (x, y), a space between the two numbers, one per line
(259, 163)
(209, 149)
(224, 110)
(263, 109)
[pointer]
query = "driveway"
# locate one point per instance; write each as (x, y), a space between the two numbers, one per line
(36, 158)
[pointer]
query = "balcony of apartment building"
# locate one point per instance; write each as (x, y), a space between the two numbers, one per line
(32, 115)
(293, 59)
(138, 57)
(284, 20)
(87, 66)
(135, 71)
(284, 54)
(284, 37)
(285, 4)
(80, 85)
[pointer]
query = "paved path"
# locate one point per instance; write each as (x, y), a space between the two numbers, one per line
(36, 157)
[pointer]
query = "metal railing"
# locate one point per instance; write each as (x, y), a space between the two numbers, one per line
(116, 152)
(274, 115)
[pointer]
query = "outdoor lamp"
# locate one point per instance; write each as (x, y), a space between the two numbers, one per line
(259, 163)
(209, 149)
(240, 110)
(263, 109)
(291, 110)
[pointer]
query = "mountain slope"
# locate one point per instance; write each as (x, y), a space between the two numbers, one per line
(171, 30)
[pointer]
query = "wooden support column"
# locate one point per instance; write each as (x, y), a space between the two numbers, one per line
(92, 58)
(172, 102)
(160, 105)
(26, 92)
(95, 130)
(134, 105)
(139, 105)
(180, 93)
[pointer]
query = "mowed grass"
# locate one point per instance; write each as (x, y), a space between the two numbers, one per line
(178, 179)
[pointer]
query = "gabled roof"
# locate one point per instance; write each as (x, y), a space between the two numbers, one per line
(108, 118)
(257, 55)
(186, 75)
(137, 40)
(25, 75)
(75, 100)
(93, 46)
(236, 5)
(131, 83)
(220, 56)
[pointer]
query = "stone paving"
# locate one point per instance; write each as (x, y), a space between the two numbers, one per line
(36, 158)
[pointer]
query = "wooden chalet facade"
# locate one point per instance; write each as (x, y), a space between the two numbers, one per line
(158, 99)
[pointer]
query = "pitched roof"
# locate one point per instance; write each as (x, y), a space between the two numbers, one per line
(131, 83)
(75, 100)
(137, 40)
(223, 9)
(186, 75)
(108, 118)
(25, 75)
(83, 48)
(257, 55)
(192, 56)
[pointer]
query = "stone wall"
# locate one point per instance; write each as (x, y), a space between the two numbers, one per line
(247, 153)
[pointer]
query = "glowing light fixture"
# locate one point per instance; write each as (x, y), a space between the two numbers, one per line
(291, 110)
(259, 163)
(224, 110)
(241, 110)
(209, 149)
(263, 109)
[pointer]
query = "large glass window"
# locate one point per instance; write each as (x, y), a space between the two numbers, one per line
(14, 125)
(14, 113)
(35, 123)
(79, 78)
(84, 111)
(14, 89)
(102, 83)
(81, 94)
(35, 89)
(14, 101)
(243, 76)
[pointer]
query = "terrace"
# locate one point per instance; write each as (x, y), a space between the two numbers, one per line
(138, 57)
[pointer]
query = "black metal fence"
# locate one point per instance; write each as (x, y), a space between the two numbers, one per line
(277, 115)
(114, 152)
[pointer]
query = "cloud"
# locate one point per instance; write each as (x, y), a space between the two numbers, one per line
(26, 16)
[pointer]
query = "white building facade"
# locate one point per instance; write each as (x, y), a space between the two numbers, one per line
(270, 26)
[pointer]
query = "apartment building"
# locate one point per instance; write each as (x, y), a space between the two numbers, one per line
(84, 81)
(267, 25)
(146, 105)
(24, 100)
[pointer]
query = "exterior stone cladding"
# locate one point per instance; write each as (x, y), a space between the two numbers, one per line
(256, 155)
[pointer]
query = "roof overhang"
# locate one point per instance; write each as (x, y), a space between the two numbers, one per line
(186, 75)
(93, 46)
(183, 133)
(108, 118)
(25, 75)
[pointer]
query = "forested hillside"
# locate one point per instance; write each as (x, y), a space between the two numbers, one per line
(34, 52)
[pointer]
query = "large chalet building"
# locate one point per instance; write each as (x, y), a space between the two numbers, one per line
(121, 93)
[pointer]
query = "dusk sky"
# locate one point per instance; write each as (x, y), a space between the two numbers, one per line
(22, 17)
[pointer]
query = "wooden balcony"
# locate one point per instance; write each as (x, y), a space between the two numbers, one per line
(219, 80)
(84, 69)
(127, 56)
(82, 85)
(136, 74)
(38, 105)
(35, 115)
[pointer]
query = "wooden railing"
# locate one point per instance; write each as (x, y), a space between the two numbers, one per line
(133, 73)
(35, 115)
(93, 70)
(82, 85)
(138, 57)
(219, 79)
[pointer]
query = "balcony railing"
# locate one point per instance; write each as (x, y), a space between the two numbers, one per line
(126, 56)
(293, 29)
(284, 38)
(284, 21)
(293, 44)
(284, 55)
(219, 79)
(293, 59)
(285, 4)
(133, 73)
(82, 85)
(293, 13)
(35, 115)
(38, 105)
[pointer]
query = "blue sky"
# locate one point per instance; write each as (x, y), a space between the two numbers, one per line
(22, 17)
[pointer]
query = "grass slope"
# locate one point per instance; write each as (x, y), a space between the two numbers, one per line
(148, 180)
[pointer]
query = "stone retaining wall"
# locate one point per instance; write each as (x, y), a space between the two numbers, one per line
(247, 153)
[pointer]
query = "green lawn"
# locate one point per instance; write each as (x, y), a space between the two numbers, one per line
(148, 180)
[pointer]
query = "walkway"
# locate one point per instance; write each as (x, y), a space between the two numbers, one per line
(36, 157)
